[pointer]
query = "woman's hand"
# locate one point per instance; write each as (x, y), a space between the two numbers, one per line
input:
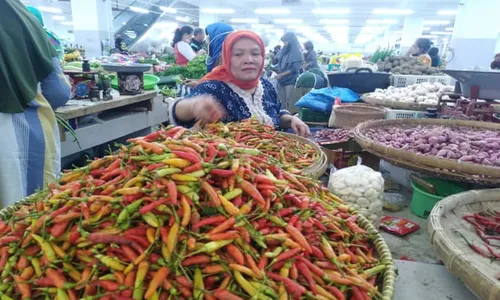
(299, 127)
(206, 109)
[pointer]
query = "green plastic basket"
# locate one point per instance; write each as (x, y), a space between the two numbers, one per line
(311, 116)
(422, 202)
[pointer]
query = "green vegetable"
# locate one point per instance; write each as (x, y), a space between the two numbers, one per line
(196, 69)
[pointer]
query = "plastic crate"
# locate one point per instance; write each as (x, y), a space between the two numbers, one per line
(311, 116)
(406, 80)
(391, 114)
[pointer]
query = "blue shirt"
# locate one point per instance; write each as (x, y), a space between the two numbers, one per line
(234, 104)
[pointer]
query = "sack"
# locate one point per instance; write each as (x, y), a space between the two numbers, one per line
(313, 78)
(323, 99)
(361, 188)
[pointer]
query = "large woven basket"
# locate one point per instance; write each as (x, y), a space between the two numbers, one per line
(350, 115)
(441, 167)
(478, 272)
(318, 168)
(396, 104)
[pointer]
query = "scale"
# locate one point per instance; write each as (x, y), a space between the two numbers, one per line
(130, 77)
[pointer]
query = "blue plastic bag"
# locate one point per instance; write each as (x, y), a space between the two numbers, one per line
(323, 99)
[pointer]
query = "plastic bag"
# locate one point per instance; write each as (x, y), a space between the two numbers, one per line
(323, 99)
(361, 188)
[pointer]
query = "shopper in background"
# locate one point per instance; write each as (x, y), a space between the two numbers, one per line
(53, 38)
(420, 49)
(310, 57)
(495, 64)
(182, 48)
(289, 62)
(435, 59)
(235, 90)
(198, 41)
(32, 86)
(217, 33)
(120, 46)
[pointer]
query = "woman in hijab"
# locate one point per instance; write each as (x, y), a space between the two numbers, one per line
(289, 61)
(310, 57)
(235, 90)
(53, 38)
(32, 86)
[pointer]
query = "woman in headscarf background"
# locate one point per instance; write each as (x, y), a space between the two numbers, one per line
(32, 86)
(310, 57)
(289, 62)
(235, 90)
(120, 45)
(53, 38)
(420, 49)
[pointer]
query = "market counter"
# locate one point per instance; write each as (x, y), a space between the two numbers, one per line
(101, 122)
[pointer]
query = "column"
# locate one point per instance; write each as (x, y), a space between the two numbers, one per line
(475, 34)
(412, 30)
(92, 23)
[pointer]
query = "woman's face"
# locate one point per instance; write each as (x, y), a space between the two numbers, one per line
(187, 37)
(246, 60)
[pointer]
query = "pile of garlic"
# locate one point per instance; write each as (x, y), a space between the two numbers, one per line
(361, 188)
(427, 93)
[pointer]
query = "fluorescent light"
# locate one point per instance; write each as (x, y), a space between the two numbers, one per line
(218, 11)
(272, 11)
(50, 9)
(58, 18)
(436, 22)
(261, 26)
(331, 11)
(427, 28)
(288, 21)
(183, 19)
(449, 29)
(124, 23)
(139, 10)
(429, 36)
(394, 12)
(169, 10)
(166, 25)
(447, 12)
(440, 33)
(67, 23)
(334, 21)
(382, 21)
(244, 20)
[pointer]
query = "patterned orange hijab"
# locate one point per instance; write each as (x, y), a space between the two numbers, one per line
(223, 72)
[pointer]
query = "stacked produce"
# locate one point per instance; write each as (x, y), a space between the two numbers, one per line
(177, 215)
(293, 154)
(406, 65)
(196, 69)
(426, 93)
(458, 143)
(334, 134)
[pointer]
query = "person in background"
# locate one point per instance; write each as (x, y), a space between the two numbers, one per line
(198, 41)
(435, 59)
(310, 57)
(31, 89)
(120, 46)
(235, 90)
(53, 38)
(289, 62)
(495, 64)
(420, 49)
(182, 49)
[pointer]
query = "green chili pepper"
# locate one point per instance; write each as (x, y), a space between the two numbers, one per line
(249, 151)
(184, 189)
(275, 253)
(158, 157)
(151, 219)
(233, 194)
(46, 247)
(167, 171)
(198, 284)
(213, 246)
(277, 221)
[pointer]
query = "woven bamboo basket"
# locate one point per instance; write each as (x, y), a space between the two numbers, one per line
(350, 115)
(479, 273)
(441, 167)
(318, 168)
(396, 104)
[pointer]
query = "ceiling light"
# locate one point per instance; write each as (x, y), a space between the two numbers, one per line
(166, 24)
(261, 26)
(58, 18)
(334, 21)
(429, 36)
(382, 21)
(244, 20)
(331, 11)
(139, 10)
(449, 29)
(272, 11)
(169, 10)
(183, 19)
(394, 12)
(426, 28)
(50, 9)
(67, 23)
(440, 33)
(124, 23)
(436, 22)
(218, 11)
(447, 12)
(288, 21)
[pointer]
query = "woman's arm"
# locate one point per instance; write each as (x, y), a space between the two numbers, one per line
(55, 87)
(297, 125)
(294, 69)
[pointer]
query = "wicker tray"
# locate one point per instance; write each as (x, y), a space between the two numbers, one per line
(441, 167)
(350, 115)
(445, 219)
(317, 169)
(397, 104)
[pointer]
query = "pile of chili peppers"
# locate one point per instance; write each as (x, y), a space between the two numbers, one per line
(487, 227)
(182, 215)
(293, 154)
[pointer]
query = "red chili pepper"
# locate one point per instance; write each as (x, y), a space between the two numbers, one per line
(211, 152)
(151, 206)
(187, 156)
(196, 260)
(152, 136)
(209, 221)
(304, 271)
(44, 282)
(317, 253)
(153, 167)
(58, 229)
(192, 168)
(221, 173)
(295, 289)
(252, 191)
(288, 254)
